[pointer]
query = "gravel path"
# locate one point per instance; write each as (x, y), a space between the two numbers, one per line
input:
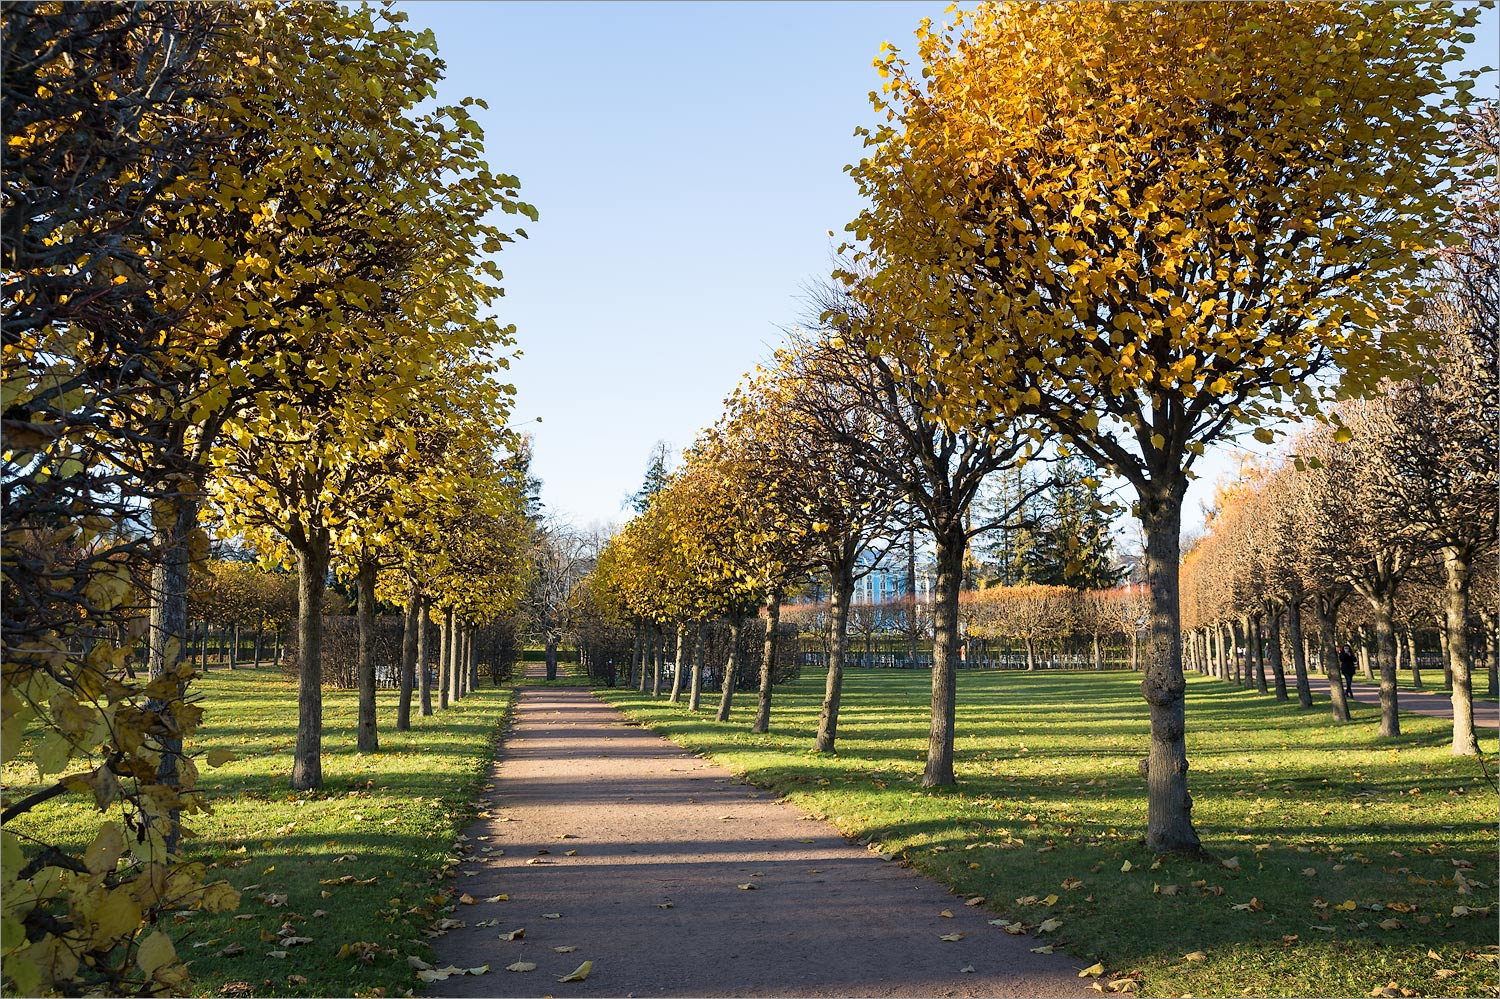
(1438, 704)
(664, 841)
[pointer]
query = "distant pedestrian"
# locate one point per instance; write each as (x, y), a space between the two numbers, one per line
(1346, 667)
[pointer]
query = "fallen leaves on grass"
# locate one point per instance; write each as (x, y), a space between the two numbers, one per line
(1230, 863)
(1195, 957)
(1048, 925)
(1251, 906)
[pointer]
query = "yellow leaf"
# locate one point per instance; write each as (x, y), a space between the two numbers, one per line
(1127, 867)
(521, 966)
(104, 852)
(156, 952)
(219, 757)
(745, 887)
(1092, 971)
(579, 973)
(1048, 925)
(1050, 900)
(118, 914)
(1044, 949)
(951, 937)
(1346, 906)
(565, 950)
(1195, 957)
(513, 935)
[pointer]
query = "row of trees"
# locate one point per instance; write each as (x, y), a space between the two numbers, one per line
(1123, 231)
(247, 288)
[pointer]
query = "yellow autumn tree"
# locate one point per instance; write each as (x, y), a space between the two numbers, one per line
(1153, 225)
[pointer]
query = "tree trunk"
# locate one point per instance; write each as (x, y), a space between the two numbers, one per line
(408, 655)
(1273, 655)
(445, 639)
(473, 660)
(833, 687)
(1098, 653)
(1255, 649)
(424, 657)
(275, 653)
(731, 668)
(949, 541)
(762, 721)
(676, 696)
(312, 575)
(1327, 612)
(234, 647)
(166, 639)
(552, 640)
(1383, 604)
(1456, 626)
(1030, 653)
(1364, 653)
(1411, 654)
(1169, 824)
(694, 692)
(367, 740)
(657, 657)
(1442, 622)
(639, 658)
(1299, 653)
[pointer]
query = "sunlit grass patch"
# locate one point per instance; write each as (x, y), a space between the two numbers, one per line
(1350, 857)
(362, 866)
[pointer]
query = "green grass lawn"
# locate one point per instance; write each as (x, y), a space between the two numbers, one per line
(370, 861)
(1351, 858)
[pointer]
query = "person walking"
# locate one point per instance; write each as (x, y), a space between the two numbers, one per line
(1346, 667)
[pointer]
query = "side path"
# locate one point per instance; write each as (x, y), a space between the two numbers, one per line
(663, 846)
(1438, 704)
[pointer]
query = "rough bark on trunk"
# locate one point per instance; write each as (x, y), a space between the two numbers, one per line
(424, 658)
(949, 542)
(234, 647)
(367, 740)
(1169, 823)
(312, 573)
(1256, 650)
(731, 668)
(1098, 653)
(1030, 653)
(833, 686)
(695, 690)
(676, 696)
(762, 721)
(551, 655)
(639, 658)
(1456, 571)
(408, 656)
(1383, 604)
(1299, 653)
(1273, 655)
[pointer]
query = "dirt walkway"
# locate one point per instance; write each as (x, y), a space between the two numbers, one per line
(653, 894)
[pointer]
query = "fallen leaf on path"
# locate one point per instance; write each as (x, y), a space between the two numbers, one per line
(566, 836)
(551, 915)
(946, 914)
(535, 860)
(746, 887)
(521, 966)
(513, 935)
(951, 937)
(976, 900)
(1092, 971)
(579, 973)
(565, 950)
(482, 970)
(466, 899)
(967, 969)
(498, 898)
(417, 962)
(664, 905)
(1044, 949)
(570, 853)
(485, 924)
(431, 975)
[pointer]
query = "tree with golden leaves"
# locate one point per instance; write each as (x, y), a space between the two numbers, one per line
(1153, 225)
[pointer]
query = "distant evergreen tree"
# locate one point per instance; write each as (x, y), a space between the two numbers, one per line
(657, 471)
(1071, 544)
(1003, 555)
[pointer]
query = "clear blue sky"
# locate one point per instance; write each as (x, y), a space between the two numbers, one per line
(687, 161)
